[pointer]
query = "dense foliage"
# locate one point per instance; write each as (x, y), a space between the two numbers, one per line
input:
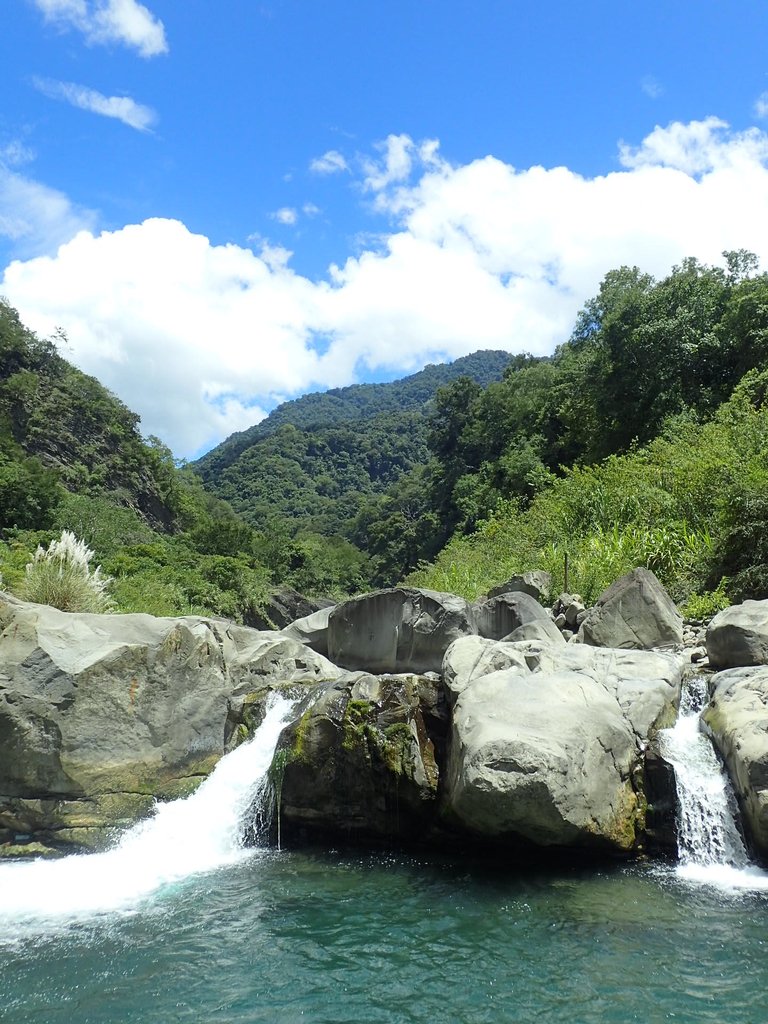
(72, 458)
(313, 464)
(641, 352)
(631, 450)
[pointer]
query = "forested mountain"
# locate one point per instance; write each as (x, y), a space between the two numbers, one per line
(58, 425)
(644, 354)
(72, 458)
(315, 460)
(642, 441)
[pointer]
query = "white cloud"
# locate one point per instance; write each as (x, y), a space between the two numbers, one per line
(200, 338)
(34, 217)
(123, 108)
(697, 148)
(400, 156)
(310, 210)
(109, 21)
(285, 215)
(761, 105)
(331, 162)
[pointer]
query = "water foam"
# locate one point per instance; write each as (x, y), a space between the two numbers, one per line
(184, 837)
(710, 846)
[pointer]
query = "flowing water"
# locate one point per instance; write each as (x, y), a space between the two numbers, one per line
(181, 924)
(710, 845)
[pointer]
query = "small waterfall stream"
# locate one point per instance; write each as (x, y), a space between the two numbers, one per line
(199, 833)
(710, 845)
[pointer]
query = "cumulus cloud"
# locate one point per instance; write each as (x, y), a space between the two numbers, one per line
(697, 148)
(109, 21)
(123, 108)
(396, 163)
(200, 338)
(331, 162)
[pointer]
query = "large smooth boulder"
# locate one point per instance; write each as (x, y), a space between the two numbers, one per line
(471, 657)
(359, 760)
(545, 758)
(311, 630)
(100, 714)
(646, 684)
(738, 636)
(402, 629)
(497, 617)
(634, 612)
(737, 719)
(548, 739)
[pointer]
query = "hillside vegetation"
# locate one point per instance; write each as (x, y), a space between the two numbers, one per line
(313, 462)
(642, 441)
(72, 458)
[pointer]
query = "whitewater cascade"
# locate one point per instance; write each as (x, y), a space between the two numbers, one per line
(709, 842)
(199, 833)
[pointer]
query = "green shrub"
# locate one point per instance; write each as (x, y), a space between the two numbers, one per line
(704, 606)
(61, 576)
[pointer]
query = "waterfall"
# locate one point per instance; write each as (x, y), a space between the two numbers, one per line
(710, 846)
(199, 833)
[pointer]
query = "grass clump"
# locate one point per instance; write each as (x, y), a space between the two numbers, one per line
(61, 576)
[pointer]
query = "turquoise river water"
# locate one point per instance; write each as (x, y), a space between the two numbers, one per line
(152, 933)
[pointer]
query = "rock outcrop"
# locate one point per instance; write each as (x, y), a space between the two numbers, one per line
(738, 636)
(513, 612)
(360, 759)
(536, 584)
(634, 612)
(547, 741)
(397, 630)
(312, 630)
(282, 607)
(432, 720)
(737, 718)
(101, 714)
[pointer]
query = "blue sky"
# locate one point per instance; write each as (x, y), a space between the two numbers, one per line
(225, 205)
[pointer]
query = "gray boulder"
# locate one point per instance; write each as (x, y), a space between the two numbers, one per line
(472, 657)
(398, 630)
(646, 684)
(537, 584)
(548, 740)
(739, 636)
(312, 630)
(737, 719)
(282, 607)
(359, 760)
(634, 612)
(100, 714)
(542, 629)
(546, 759)
(497, 617)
